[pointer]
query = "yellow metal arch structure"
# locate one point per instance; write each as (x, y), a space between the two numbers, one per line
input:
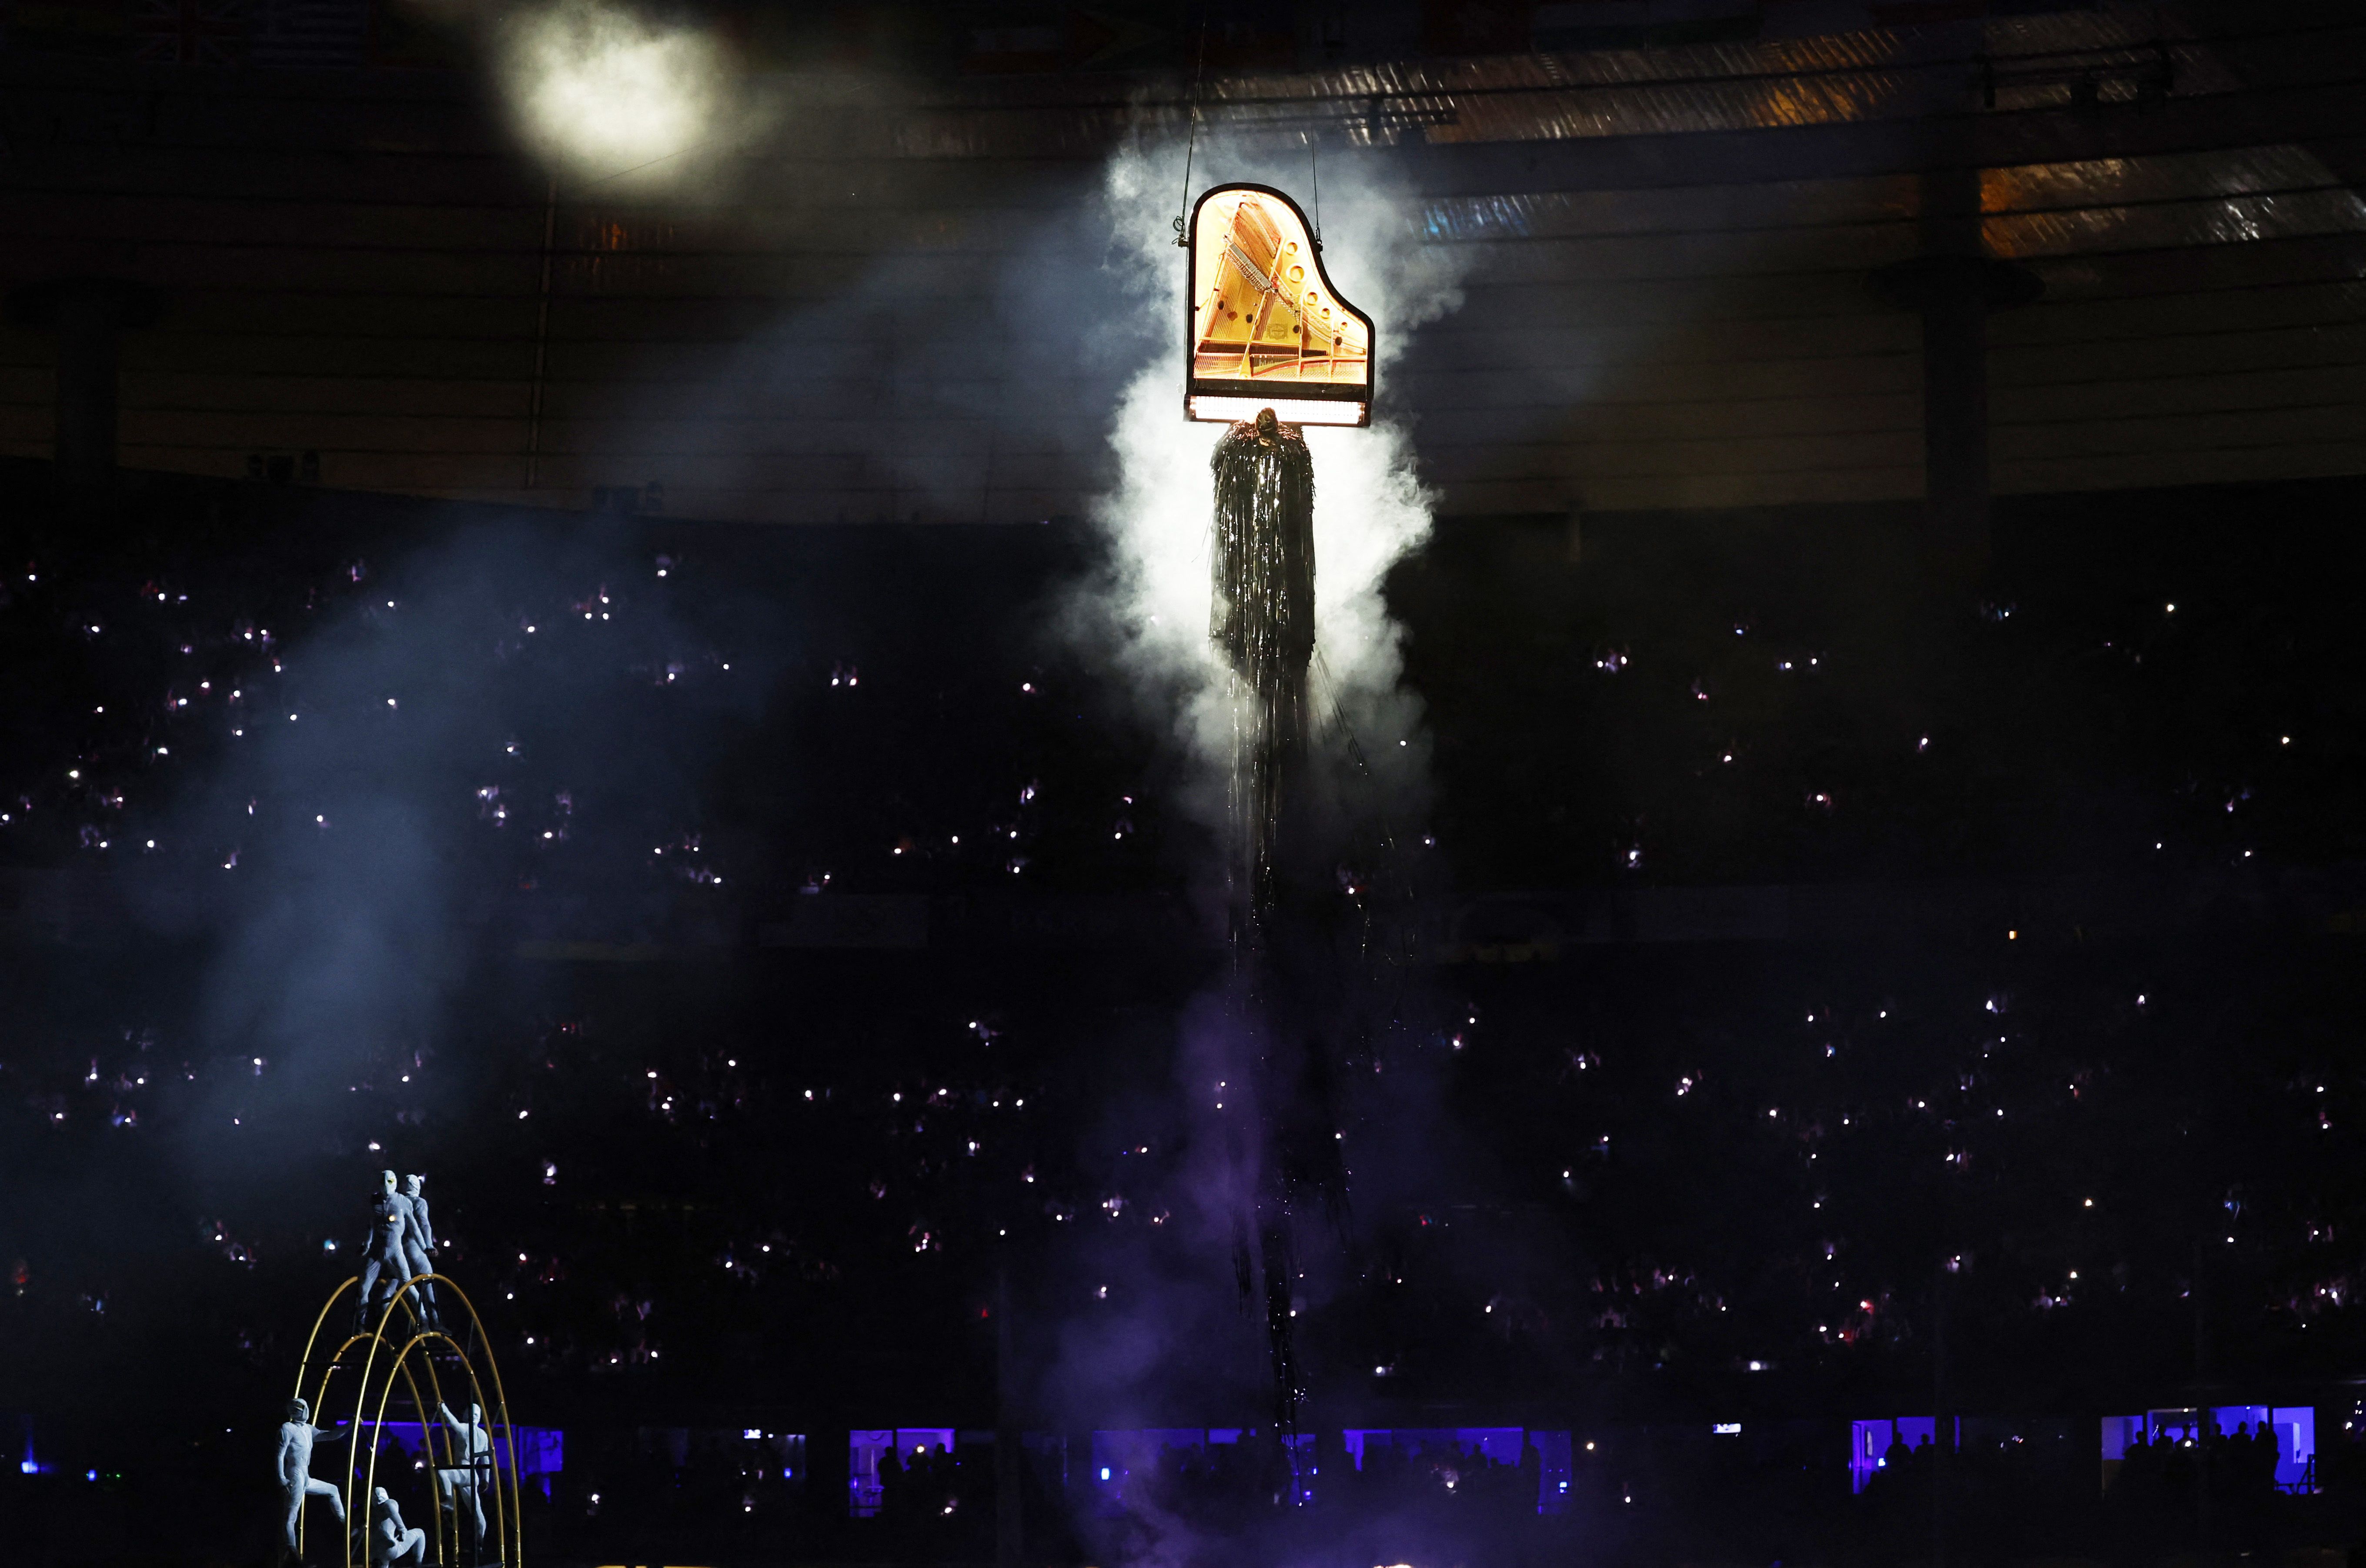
(392, 1354)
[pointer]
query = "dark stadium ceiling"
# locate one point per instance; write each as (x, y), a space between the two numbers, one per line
(2121, 63)
(2132, 58)
(1664, 250)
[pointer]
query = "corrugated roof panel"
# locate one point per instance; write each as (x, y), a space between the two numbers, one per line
(1769, 83)
(1657, 110)
(2032, 187)
(2209, 198)
(1785, 203)
(2232, 197)
(2229, 221)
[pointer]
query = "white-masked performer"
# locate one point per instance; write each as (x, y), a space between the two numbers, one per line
(297, 1481)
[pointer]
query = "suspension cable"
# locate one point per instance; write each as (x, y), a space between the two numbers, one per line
(1314, 163)
(1191, 136)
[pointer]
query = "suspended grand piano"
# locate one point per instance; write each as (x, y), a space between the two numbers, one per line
(1267, 329)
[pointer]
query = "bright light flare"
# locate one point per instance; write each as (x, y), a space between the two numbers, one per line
(602, 90)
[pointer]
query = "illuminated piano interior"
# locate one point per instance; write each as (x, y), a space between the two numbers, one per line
(1263, 311)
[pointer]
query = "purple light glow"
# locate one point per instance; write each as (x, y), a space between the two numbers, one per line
(2294, 1427)
(1500, 1445)
(865, 1449)
(1869, 1444)
(541, 1450)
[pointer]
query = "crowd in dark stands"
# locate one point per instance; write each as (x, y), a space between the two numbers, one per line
(2240, 1464)
(679, 1156)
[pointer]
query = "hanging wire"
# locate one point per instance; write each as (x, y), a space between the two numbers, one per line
(1191, 137)
(1314, 163)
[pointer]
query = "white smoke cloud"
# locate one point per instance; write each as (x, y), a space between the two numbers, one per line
(1370, 506)
(598, 89)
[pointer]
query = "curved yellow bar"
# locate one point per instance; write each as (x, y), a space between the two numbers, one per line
(508, 1525)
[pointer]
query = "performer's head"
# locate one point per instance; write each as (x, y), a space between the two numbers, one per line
(386, 1179)
(1268, 425)
(298, 1411)
(411, 1184)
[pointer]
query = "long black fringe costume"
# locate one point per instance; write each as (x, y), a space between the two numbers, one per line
(1263, 621)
